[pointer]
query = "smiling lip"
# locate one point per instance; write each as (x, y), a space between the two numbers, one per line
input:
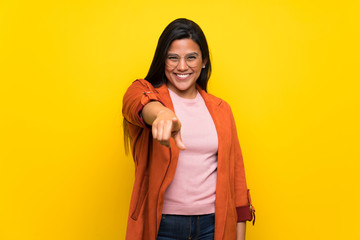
(182, 76)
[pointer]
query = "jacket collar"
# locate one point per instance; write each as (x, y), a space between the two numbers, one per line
(207, 97)
(164, 92)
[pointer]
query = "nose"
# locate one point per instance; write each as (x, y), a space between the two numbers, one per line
(182, 66)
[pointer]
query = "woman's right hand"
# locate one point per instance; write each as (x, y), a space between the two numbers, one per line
(165, 126)
(164, 123)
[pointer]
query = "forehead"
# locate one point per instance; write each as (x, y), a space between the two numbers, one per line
(184, 46)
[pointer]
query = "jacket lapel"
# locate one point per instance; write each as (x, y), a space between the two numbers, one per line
(213, 105)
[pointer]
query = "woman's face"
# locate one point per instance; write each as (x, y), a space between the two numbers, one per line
(183, 67)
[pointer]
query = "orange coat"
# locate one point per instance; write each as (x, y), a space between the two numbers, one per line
(155, 166)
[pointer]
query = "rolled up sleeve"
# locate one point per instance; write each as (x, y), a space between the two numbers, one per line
(136, 97)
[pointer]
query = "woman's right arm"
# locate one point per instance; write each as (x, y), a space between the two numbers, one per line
(164, 123)
(142, 108)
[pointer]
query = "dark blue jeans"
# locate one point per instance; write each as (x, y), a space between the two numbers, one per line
(179, 227)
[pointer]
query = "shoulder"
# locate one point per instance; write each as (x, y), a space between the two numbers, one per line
(141, 83)
(141, 87)
(147, 87)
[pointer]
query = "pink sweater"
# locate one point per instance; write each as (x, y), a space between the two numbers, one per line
(192, 191)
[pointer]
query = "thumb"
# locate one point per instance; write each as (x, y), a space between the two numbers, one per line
(177, 136)
(178, 141)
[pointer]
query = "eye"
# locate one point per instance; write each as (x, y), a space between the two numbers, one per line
(191, 57)
(172, 58)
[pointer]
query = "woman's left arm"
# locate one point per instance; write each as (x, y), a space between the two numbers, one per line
(240, 231)
(242, 196)
(243, 205)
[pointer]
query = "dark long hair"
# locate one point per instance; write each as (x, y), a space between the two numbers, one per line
(180, 28)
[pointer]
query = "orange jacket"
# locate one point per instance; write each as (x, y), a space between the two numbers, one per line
(155, 166)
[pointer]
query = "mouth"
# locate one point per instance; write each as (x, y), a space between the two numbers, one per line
(182, 76)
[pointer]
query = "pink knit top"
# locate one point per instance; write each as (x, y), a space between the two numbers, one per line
(192, 191)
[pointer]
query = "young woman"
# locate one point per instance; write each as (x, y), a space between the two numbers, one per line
(189, 179)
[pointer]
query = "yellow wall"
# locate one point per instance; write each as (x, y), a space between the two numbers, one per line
(289, 69)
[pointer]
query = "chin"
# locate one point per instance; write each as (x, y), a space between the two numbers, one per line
(182, 86)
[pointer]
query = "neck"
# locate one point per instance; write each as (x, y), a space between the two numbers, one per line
(188, 93)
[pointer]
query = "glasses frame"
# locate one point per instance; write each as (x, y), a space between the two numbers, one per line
(194, 54)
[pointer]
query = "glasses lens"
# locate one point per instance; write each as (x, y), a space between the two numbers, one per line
(172, 61)
(192, 61)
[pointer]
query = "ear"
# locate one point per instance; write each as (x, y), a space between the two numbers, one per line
(204, 63)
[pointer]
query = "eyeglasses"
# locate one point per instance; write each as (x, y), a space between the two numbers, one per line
(192, 60)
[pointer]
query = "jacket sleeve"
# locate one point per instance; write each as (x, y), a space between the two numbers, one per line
(244, 208)
(136, 97)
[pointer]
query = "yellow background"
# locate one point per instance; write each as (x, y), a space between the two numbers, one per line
(289, 69)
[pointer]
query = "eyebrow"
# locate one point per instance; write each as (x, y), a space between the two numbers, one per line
(174, 54)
